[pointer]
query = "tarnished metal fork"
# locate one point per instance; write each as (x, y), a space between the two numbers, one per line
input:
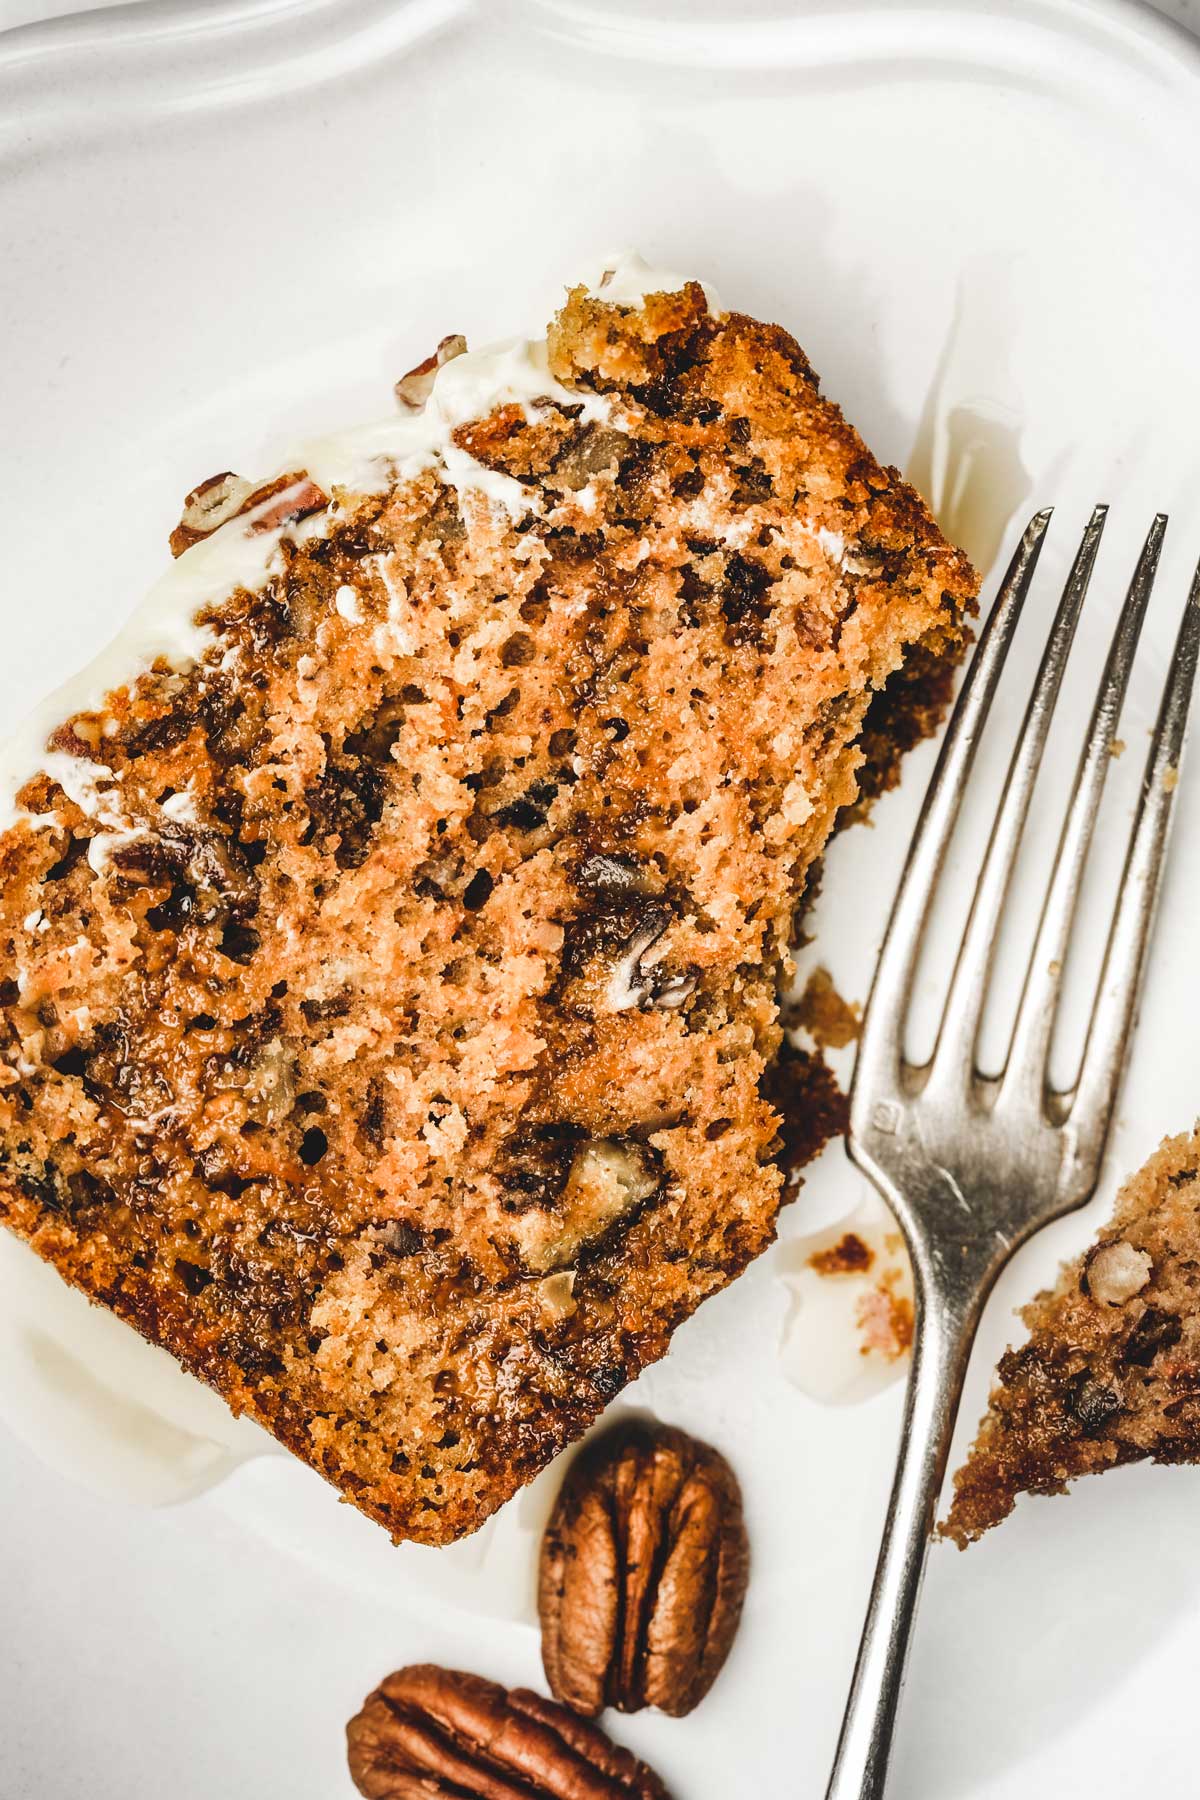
(972, 1165)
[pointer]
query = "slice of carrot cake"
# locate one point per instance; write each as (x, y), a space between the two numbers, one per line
(1111, 1371)
(390, 925)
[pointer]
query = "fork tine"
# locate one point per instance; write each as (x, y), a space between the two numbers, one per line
(1110, 1027)
(953, 1056)
(1026, 1064)
(881, 1046)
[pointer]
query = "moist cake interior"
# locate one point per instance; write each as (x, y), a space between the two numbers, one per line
(1110, 1373)
(387, 993)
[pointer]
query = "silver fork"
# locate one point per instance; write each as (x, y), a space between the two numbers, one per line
(972, 1165)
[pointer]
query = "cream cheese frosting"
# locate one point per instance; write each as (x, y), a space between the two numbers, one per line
(367, 459)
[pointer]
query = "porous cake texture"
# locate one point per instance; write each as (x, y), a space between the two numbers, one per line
(1111, 1371)
(387, 986)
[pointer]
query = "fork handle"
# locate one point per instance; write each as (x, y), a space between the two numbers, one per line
(944, 1333)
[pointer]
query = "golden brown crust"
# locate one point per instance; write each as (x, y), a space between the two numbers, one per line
(408, 1086)
(1111, 1371)
(811, 1108)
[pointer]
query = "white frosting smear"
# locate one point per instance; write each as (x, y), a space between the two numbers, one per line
(469, 387)
(98, 1403)
(626, 279)
(849, 1330)
(366, 459)
(164, 625)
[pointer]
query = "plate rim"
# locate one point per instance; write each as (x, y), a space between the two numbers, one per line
(1128, 10)
(78, 64)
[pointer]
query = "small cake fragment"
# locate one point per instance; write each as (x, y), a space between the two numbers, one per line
(389, 950)
(1111, 1371)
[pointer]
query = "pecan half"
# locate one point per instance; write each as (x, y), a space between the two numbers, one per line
(438, 1734)
(643, 1572)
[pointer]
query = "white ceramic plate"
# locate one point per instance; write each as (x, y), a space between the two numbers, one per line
(226, 224)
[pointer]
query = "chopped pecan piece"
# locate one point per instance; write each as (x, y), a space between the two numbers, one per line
(208, 507)
(607, 1183)
(643, 1572)
(1114, 1273)
(294, 497)
(227, 496)
(634, 982)
(438, 1734)
(612, 957)
(413, 390)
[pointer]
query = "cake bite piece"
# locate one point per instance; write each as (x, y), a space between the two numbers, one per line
(391, 926)
(1111, 1371)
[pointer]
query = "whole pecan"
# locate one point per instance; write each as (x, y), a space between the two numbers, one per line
(438, 1734)
(643, 1572)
